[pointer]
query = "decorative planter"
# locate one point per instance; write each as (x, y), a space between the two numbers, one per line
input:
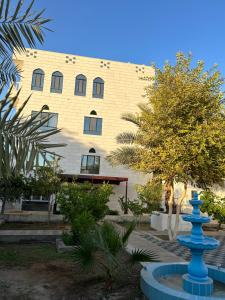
(159, 222)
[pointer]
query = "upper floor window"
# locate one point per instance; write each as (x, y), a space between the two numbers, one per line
(38, 80)
(57, 82)
(92, 125)
(80, 85)
(92, 150)
(51, 123)
(98, 88)
(90, 164)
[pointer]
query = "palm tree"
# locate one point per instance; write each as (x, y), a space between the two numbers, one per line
(21, 139)
(103, 248)
(18, 27)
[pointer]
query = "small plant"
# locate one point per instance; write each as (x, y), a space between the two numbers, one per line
(102, 248)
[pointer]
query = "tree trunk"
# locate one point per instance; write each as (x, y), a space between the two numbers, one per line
(178, 210)
(3, 207)
(170, 212)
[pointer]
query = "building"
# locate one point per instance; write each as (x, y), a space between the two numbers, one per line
(86, 98)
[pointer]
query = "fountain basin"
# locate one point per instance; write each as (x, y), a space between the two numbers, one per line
(204, 243)
(196, 219)
(153, 288)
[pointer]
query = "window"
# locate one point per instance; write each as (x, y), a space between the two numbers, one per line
(92, 150)
(98, 88)
(57, 82)
(93, 112)
(90, 164)
(92, 125)
(38, 80)
(43, 158)
(51, 123)
(80, 85)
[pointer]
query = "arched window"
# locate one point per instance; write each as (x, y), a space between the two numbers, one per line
(80, 85)
(98, 88)
(92, 150)
(38, 80)
(93, 112)
(57, 82)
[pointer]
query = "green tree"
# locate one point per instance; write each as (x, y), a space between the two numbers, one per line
(45, 182)
(19, 25)
(11, 189)
(179, 131)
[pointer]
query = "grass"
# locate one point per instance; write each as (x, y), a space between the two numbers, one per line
(27, 254)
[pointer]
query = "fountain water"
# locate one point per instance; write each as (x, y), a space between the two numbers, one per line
(163, 280)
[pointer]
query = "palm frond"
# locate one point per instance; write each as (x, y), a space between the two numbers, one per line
(123, 156)
(21, 140)
(141, 255)
(132, 118)
(84, 255)
(20, 27)
(9, 72)
(128, 232)
(126, 138)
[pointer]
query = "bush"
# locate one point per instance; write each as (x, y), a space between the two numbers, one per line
(149, 198)
(83, 205)
(213, 205)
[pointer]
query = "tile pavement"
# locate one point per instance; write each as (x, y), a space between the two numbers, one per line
(214, 257)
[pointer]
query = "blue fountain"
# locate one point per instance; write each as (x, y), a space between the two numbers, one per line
(197, 281)
(189, 281)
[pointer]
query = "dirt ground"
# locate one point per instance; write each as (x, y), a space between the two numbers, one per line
(56, 277)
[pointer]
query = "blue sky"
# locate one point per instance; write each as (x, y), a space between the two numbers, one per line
(141, 31)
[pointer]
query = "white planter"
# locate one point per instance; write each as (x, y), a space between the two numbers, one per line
(159, 222)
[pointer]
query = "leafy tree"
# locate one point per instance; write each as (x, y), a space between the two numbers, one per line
(180, 130)
(46, 182)
(102, 248)
(18, 26)
(11, 189)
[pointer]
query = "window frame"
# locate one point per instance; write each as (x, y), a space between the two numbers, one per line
(88, 169)
(98, 124)
(46, 127)
(98, 83)
(57, 75)
(80, 78)
(34, 86)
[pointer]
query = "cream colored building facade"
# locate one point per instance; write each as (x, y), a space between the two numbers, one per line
(121, 88)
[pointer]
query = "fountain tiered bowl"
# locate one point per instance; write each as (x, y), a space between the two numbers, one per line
(193, 280)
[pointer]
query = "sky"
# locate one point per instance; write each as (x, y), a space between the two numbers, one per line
(138, 31)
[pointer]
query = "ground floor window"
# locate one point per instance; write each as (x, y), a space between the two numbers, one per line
(90, 164)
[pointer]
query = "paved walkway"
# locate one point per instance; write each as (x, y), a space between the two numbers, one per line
(137, 241)
(214, 257)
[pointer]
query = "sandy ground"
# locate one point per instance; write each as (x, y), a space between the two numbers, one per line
(60, 281)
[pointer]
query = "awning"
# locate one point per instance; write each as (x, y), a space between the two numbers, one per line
(93, 178)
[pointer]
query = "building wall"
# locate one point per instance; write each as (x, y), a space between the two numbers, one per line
(123, 90)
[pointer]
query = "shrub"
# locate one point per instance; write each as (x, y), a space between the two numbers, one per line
(102, 248)
(83, 205)
(214, 206)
